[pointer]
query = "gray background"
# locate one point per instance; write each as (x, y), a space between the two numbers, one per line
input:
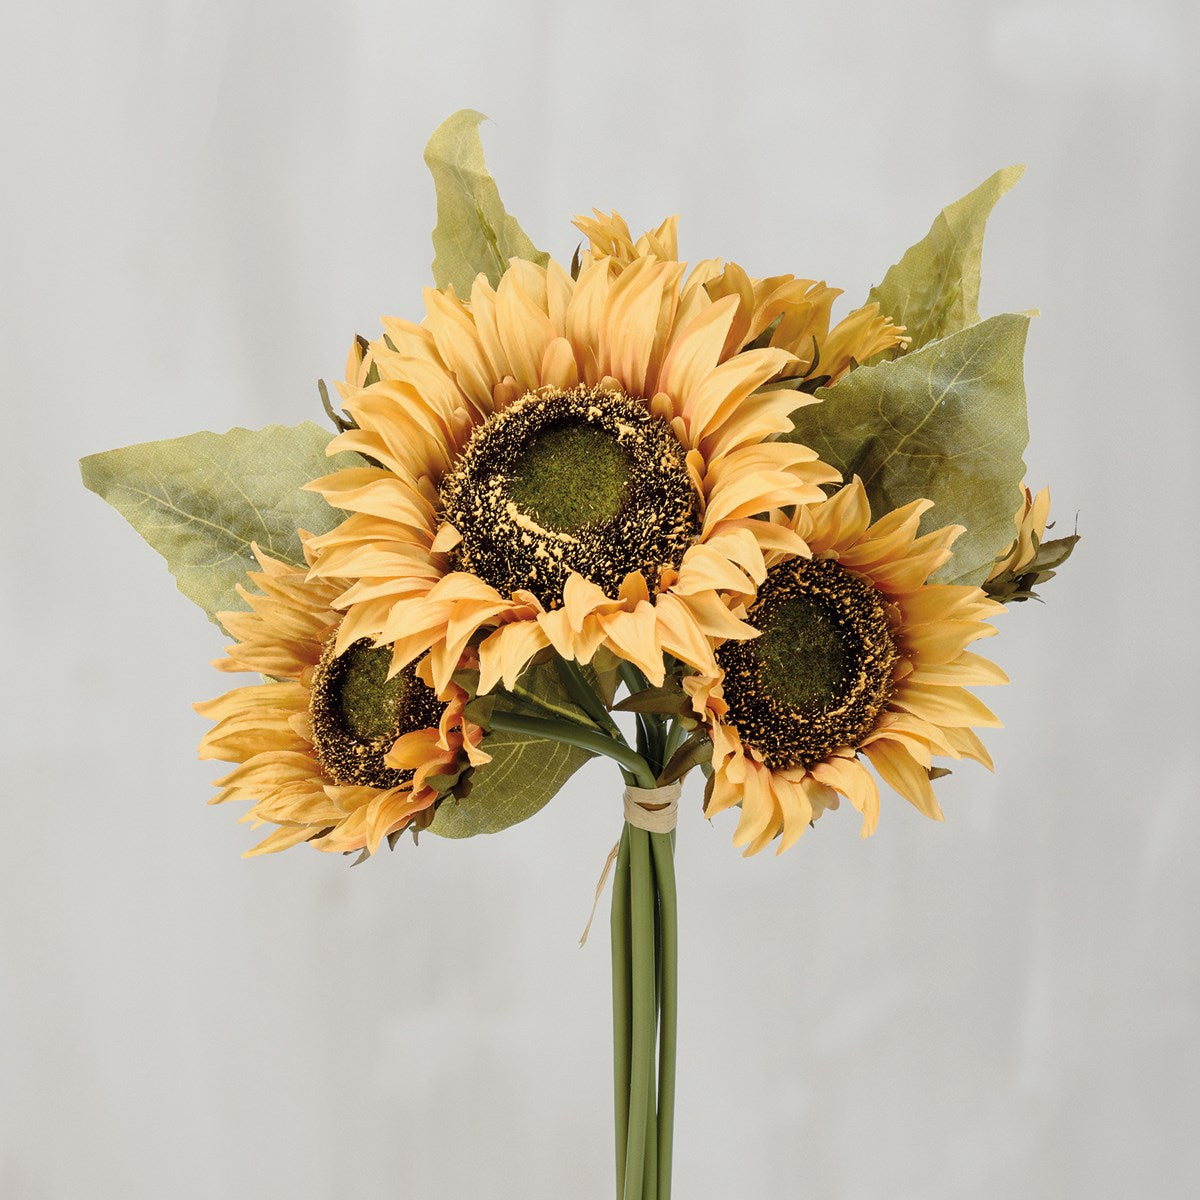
(202, 203)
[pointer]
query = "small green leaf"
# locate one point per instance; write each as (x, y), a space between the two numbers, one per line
(667, 700)
(695, 752)
(479, 709)
(525, 772)
(442, 783)
(945, 423)
(540, 693)
(1054, 553)
(473, 233)
(607, 668)
(523, 777)
(201, 500)
(933, 291)
(1012, 586)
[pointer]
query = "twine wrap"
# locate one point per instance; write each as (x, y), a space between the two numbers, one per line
(655, 810)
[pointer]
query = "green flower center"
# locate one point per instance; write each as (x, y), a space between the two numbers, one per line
(571, 476)
(582, 480)
(819, 674)
(358, 713)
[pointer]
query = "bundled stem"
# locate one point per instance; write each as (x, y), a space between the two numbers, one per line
(645, 959)
(622, 1005)
(663, 847)
(644, 938)
(645, 1007)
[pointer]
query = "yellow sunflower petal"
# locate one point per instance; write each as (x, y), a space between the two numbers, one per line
(900, 771)
(505, 653)
(848, 776)
(796, 810)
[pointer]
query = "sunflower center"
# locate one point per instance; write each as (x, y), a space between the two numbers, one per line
(571, 476)
(820, 673)
(582, 480)
(358, 713)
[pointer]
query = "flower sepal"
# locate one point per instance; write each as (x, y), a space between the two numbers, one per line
(1019, 584)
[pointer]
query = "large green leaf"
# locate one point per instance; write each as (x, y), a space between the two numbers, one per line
(523, 777)
(525, 772)
(934, 289)
(945, 423)
(201, 500)
(473, 233)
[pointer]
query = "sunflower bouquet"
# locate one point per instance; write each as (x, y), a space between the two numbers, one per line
(622, 486)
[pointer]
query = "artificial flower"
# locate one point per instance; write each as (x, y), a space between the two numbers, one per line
(330, 750)
(858, 657)
(1030, 521)
(781, 311)
(561, 463)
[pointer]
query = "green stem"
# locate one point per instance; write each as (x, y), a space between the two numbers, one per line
(578, 688)
(650, 1179)
(592, 740)
(675, 736)
(650, 726)
(650, 1171)
(641, 1075)
(663, 848)
(657, 726)
(643, 738)
(582, 692)
(622, 1005)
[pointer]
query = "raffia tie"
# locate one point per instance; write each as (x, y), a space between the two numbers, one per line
(654, 809)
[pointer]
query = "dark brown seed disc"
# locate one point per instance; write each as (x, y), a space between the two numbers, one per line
(820, 672)
(582, 480)
(358, 713)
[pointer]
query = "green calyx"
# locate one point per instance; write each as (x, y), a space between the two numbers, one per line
(1021, 584)
(820, 673)
(358, 713)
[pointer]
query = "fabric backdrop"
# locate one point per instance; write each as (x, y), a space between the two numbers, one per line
(202, 203)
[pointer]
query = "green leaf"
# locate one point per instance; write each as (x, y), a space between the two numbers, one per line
(535, 695)
(523, 777)
(695, 752)
(945, 423)
(525, 772)
(479, 709)
(1054, 553)
(201, 500)
(669, 700)
(607, 668)
(540, 692)
(1012, 586)
(473, 233)
(934, 289)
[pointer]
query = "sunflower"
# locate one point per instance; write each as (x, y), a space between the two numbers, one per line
(609, 237)
(332, 750)
(781, 311)
(858, 656)
(561, 463)
(1030, 521)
